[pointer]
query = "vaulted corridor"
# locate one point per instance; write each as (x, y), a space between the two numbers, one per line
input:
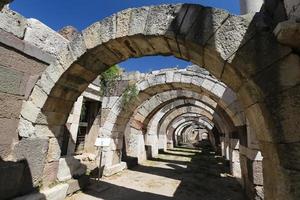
(180, 173)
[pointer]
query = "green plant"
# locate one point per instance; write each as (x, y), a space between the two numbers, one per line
(108, 79)
(129, 94)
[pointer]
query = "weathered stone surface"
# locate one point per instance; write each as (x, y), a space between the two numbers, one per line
(30, 111)
(34, 156)
(160, 18)
(12, 22)
(41, 36)
(54, 150)
(292, 9)
(26, 128)
(50, 173)
(287, 33)
(77, 184)
(69, 167)
(251, 62)
(226, 41)
(10, 80)
(111, 170)
(58, 192)
(69, 32)
(10, 105)
(8, 134)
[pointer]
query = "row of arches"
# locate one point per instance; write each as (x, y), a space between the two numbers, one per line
(256, 92)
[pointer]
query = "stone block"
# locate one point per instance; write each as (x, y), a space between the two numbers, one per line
(77, 184)
(287, 33)
(43, 37)
(30, 111)
(257, 169)
(48, 131)
(58, 192)
(69, 167)
(10, 105)
(50, 173)
(267, 51)
(160, 18)
(25, 128)
(12, 22)
(8, 135)
(111, 170)
(34, 151)
(10, 81)
(54, 150)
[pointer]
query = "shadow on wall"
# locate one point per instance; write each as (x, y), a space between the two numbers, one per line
(15, 179)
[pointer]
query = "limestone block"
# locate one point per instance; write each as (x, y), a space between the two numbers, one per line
(280, 76)
(38, 96)
(208, 21)
(78, 47)
(77, 184)
(34, 156)
(197, 80)
(12, 22)
(111, 170)
(54, 71)
(50, 173)
(228, 38)
(41, 36)
(259, 52)
(58, 192)
(64, 92)
(287, 33)
(259, 192)
(26, 128)
(8, 134)
(30, 111)
(69, 167)
(52, 118)
(160, 44)
(45, 83)
(257, 172)
(10, 81)
(219, 90)
(160, 18)
(100, 32)
(54, 150)
(186, 78)
(207, 84)
(177, 77)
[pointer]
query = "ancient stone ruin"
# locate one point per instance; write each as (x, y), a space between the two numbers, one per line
(237, 106)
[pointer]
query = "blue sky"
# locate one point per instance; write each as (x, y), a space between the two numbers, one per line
(82, 13)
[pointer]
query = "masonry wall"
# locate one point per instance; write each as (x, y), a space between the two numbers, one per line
(18, 74)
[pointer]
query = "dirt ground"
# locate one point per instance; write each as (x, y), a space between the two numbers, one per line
(179, 173)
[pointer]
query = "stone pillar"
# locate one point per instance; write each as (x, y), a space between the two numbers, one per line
(235, 165)
(249, 6)
(74, 119)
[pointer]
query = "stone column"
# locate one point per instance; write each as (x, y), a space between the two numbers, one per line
(74, 119)
(249, 6)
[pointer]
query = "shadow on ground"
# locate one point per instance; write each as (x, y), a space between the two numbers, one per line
(200, 175)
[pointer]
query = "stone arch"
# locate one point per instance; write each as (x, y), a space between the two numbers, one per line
(233, 48)
(175, 128)
(178, 80)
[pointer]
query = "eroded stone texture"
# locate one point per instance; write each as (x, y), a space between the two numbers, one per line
(35, 157)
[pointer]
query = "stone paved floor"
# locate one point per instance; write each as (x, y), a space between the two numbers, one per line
(180, 173)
